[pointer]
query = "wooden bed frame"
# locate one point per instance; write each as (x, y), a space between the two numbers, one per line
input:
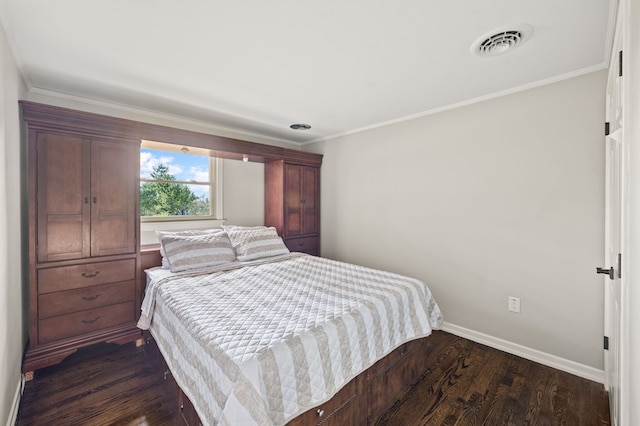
(360, 402)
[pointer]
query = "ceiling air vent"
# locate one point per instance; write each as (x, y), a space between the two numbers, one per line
(299, 126)
(500, 41)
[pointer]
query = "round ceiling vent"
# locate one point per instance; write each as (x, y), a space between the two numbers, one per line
(501, 41)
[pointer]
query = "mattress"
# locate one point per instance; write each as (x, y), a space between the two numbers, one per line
(261, 342)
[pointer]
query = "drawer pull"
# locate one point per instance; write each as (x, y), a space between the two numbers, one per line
(90, 275)
(300, 244)
(84, 321)
(320, 412)
(90, 298)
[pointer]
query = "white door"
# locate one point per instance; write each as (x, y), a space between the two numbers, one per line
(612, 282)
(613, 227)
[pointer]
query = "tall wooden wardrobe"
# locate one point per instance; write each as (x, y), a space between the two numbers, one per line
(83, 185)
(292, 201)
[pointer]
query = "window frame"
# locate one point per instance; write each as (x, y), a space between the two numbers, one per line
(215, 184)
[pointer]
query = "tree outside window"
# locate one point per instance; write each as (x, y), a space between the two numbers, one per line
(174, 184)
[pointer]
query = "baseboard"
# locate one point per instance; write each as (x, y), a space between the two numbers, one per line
(13, 412)
(535, 355)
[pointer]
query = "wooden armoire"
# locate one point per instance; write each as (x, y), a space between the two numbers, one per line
(292, 203)
(83, 185)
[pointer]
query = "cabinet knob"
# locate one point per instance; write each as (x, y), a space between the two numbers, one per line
(95, 200)
(86, 200)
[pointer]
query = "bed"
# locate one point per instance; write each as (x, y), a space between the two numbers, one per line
(268, 337)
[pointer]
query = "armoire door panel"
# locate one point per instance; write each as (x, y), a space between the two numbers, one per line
(293, 185)
(309, 185)
(65, 239)
(294, 224)
(115, 236)
(293, 200)
(310, 221)
(113, 198)
(309, 200)
(62, 199)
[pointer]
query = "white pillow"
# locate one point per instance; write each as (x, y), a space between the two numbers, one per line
(255, 243)
(184, 252)
(160, 234)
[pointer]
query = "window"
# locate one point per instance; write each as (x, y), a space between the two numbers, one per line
(176, 182)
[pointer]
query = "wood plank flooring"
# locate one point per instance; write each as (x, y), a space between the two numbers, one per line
(100, 385)
(471, 384)
(466, 384)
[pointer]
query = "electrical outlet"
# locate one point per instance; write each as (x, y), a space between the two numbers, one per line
(514, 304)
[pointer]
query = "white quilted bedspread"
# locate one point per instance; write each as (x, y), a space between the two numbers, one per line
(262, 343)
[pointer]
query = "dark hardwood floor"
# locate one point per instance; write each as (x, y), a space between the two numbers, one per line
(100, 385)
(471, 384)
(466, 384)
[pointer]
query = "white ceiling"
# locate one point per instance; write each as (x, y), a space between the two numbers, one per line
(338, 65)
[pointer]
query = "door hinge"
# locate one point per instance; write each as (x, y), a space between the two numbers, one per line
(606, 128)
(606, 343)
(620, 64)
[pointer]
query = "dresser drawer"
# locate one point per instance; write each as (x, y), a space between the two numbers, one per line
(82, 299)
(343, 409)
(79, 323)
(76, 276)
(305, 245)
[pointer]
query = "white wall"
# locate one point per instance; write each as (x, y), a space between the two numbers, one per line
(12, 330)
(243, 193)
(496, 199)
